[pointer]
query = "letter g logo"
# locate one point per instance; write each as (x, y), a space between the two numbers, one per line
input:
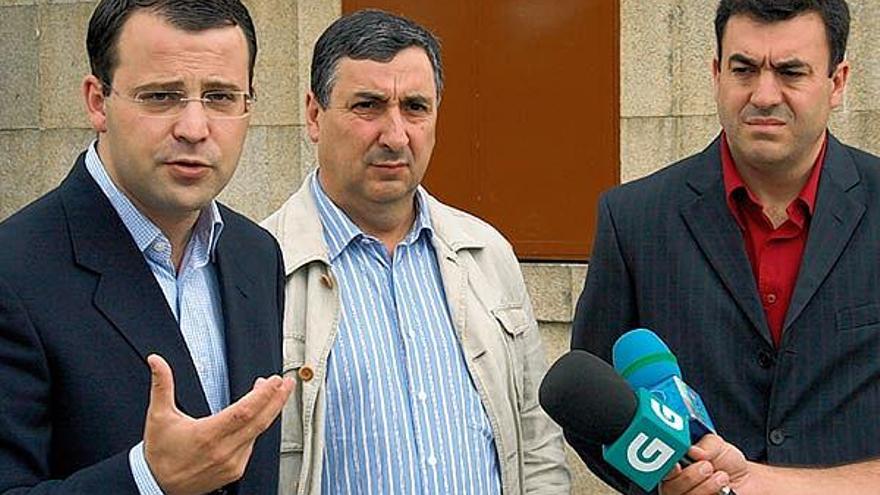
(648, 458)
(667, 415)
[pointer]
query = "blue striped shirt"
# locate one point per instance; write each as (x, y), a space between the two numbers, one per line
(192, 293)
(403, 414)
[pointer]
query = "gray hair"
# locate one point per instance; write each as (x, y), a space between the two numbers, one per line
(371, 35)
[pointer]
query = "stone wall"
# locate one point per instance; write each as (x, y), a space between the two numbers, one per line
(667, 111)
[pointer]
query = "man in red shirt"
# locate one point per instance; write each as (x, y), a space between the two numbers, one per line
(755, 261)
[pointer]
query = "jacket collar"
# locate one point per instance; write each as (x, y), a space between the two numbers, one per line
(102, 245)
(839, 206)
(297, 225)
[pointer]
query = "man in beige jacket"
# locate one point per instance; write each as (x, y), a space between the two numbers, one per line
(407, 323)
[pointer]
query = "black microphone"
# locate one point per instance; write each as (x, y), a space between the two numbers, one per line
(642, 437)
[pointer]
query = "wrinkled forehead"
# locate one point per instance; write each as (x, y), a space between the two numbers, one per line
(802, 37)
(408, 74)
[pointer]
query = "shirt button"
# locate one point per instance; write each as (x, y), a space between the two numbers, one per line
(777, 437)
(305, 373)
(422, 396)
(771, 298)
(432, 461)
(766, 360)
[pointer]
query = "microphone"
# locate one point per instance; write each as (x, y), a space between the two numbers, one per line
(642, 437)
(645, 361)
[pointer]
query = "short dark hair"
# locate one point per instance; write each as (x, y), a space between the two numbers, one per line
(369, 35)
(189, 15)
(834, 13)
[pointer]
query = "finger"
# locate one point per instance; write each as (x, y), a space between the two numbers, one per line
(254, 412)
(708, 448)
(161, 384)
(688, 478)
(712, 485)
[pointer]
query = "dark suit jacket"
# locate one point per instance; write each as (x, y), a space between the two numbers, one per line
(79, 313)
(669, 256)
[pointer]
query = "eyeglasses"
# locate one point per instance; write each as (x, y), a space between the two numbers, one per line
(218, 104)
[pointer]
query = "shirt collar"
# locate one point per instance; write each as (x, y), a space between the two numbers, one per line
(340, 230)
(144, 232)
(733, 182)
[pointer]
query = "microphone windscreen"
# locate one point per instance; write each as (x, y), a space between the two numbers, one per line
(586, 396)
(643, 359)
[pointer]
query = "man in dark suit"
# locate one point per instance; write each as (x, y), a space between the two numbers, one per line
(130, 269)
(756, 261)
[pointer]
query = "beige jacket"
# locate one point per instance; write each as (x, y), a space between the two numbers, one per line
(493, 319)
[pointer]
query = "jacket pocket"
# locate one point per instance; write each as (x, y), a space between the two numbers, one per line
(514, 321)
(858, 317)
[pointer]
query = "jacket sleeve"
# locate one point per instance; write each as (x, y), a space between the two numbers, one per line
(605, 309)
(544, 466)
(26, 417)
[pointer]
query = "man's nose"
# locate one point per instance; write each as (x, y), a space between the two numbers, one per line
(394, 135)
(192, 123)
(767, 92)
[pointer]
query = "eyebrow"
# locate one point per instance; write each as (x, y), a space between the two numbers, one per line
(742, 59)
(793, 63)
(178, 85)
(370, 95)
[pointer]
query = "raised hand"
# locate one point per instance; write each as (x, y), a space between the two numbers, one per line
(193, 456)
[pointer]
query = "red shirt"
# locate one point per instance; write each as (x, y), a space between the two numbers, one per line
(775, 254)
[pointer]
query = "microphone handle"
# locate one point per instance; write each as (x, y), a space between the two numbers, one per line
(725, 490)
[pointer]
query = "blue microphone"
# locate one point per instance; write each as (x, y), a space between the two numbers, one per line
(645, 361)
(641, 437)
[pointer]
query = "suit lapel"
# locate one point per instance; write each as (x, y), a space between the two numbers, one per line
(245, 347)
(839, 207)
(714, 229)
(127, 293)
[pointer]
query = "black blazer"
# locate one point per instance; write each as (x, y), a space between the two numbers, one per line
(79, 313)
(669, 256)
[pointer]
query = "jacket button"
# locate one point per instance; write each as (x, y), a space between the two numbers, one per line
(765, 360)
(305, 373)
(327, 280)
(777, 437)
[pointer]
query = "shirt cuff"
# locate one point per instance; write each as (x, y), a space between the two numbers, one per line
(143, 478)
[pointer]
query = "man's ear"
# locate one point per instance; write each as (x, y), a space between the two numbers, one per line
(716, 74)
(93, 94)
(313, 116)
(839, 80)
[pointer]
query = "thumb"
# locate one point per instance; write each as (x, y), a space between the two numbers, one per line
(161, 384)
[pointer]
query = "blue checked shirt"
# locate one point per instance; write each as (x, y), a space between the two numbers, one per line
(403, 415)
(193, 295)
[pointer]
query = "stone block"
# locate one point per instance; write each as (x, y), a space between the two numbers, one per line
(693, 133)
(549, 288)
(857, 129)
(276, 75)
(33, 162)
(556, 339)
(863, 92)
(63, 64)
(646, 57)
(646, 145)
(268, 171)
(692, 58)
(20, 75)
(314, 17)
(578, 277)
